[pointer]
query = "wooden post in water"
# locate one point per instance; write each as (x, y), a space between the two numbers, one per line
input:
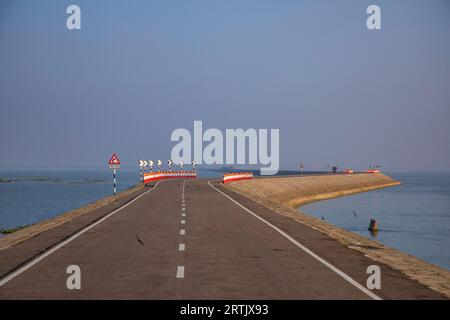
(373, 226)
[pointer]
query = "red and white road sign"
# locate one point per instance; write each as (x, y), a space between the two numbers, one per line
(114, 162)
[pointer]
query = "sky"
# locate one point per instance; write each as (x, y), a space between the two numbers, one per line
(339, 93)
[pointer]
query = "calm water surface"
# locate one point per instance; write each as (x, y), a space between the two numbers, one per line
(413, 217)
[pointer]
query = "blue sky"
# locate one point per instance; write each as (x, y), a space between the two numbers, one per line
(339, 93)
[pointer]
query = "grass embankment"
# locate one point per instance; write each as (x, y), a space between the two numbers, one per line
(12, 230)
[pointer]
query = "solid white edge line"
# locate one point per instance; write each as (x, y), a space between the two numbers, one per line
(68, 240)
(298, 244)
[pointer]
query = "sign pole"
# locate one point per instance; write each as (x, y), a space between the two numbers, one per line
(150, 163)
(114, 181)
(114, 163)
(159, 163)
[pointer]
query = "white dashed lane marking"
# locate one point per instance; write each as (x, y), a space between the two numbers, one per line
(182, 246)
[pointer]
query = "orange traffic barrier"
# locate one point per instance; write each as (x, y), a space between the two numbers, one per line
(230, 177)
(162, 175)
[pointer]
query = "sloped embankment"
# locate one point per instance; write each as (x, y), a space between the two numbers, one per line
(296, 191)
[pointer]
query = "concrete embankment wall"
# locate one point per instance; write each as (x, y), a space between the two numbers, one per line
(284, 194)
(296, 191)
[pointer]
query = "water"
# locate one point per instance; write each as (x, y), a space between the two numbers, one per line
(413, 217)
(34, 196)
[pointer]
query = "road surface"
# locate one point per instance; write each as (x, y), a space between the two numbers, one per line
(192, 239)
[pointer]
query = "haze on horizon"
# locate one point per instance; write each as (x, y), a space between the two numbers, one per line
(137, 70)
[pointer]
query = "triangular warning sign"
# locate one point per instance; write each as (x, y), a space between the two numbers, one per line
(114, 160)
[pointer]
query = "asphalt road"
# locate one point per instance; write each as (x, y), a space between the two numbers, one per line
(192, 240)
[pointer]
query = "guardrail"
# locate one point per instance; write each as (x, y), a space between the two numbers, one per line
(163, 175)
(230, 177)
